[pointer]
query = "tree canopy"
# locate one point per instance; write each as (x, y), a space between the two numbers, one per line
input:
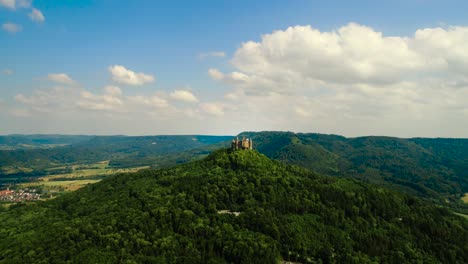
(188, 214)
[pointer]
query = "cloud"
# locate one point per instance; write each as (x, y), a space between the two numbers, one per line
(13, 4)
(56, 99)
(153, 101)
(215, 109)
(12, 28)
(111, 99)
(216, 74)
(232, 77)
(36, 16)
(217, 54)
(133, 107)
(74, 99)
(125, 76)
(8, 72)
(8, 3)
(184, 95)
(353, 80)
(60, 78)
(302, 56)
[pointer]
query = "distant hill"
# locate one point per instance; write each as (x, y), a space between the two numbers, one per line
(435, 169)
(232, 207)
(122, 151)
(12, 142)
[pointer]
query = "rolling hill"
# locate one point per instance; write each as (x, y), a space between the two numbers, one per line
(435, 169)
(122, 151)
(232, 207)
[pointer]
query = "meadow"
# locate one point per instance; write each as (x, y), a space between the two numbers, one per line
(78, 177)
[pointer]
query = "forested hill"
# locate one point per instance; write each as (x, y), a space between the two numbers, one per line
(232, 207)
(435, 169)
(12, 142)
(121, 150)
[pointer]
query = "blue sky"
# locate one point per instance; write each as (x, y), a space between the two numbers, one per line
(177, 43)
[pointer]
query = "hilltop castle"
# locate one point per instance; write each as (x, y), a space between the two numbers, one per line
(245, 143)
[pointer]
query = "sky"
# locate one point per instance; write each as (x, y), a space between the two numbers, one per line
(353, 68)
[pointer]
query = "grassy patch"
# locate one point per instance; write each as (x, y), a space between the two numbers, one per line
(14, 169)
(80, 176)
(54, 186)
(465, 198)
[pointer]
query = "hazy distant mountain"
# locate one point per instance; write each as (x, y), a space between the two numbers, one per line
(85, 149)
(12, 142)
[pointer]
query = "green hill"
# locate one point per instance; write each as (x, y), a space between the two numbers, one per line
(232, 207)
(122, 151)
(435, 169)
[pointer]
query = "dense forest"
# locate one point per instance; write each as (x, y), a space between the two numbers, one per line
(232, 207)
(433, 169)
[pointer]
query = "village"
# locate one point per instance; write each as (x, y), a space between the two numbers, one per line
(21, 195)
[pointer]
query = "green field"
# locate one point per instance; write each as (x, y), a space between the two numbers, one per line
(30, 146)
(52, 186)
(80, 176)
(14, 169)
(465, 198)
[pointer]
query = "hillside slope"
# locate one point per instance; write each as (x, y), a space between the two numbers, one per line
(232, 207)
(435, 169)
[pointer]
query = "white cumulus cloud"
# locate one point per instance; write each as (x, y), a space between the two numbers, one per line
(60, 78)
(122, 75)
(353, 80)
(154, 101)
(184, 95)
(213, 109)
(215, 74)
(111, 99)
(36, 16)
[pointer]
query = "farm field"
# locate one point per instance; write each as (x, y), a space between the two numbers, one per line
(80, 176)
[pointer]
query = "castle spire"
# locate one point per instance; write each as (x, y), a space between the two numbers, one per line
(245, 143)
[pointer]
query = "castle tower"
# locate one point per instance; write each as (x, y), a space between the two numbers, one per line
(235, 144)
(245, 143)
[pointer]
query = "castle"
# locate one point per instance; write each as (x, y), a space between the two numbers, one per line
(245, 143)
